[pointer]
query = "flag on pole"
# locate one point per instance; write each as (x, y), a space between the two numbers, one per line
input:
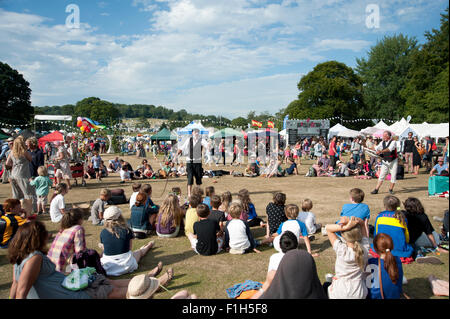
(270, 124)
(256, 123)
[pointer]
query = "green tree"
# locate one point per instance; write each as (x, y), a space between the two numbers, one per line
(426, 91)
(97, 110)
(330, 89)
(15, 93)
(384, 74)
(240, 121)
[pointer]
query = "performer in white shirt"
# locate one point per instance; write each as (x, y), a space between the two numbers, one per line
(193, 148)
(387, 149)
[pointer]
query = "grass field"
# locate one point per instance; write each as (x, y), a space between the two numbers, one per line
(208, 277)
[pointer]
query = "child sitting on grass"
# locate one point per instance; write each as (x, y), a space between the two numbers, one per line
(275, 213)
(209, 191)
(249, 209)
(308, 218)
(42, 184)
(393, 222)
(57, 204)
(216, 214)
(226, 199)
(207, 235)
(14, 217)
(351, 258)
(169, 218)
(98, 207)
(136, 187)
(295, 226)
(149, 205)
(238, 237)
(191, 217)
(356, 208)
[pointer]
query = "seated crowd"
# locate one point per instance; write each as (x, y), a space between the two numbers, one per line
(214, 224)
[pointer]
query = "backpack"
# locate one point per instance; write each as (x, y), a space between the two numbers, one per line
(117, 197)
(311, 172)
(88, 258)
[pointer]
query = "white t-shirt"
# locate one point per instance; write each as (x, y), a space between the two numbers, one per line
(238, 236)
(274, 261)
(124, 175)
(133, 199)
(55, 208)
(309, 219)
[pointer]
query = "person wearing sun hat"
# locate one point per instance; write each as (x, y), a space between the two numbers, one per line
(116, 241)
(144, 286)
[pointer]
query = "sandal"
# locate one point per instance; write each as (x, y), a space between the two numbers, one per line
(155, 271)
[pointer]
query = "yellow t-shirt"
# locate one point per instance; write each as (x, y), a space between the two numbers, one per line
(191, 218)
(9, 228)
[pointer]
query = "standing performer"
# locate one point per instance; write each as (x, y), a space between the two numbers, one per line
(387, 149)
(193, 148)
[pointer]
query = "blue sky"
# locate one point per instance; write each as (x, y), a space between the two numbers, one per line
(223, 57)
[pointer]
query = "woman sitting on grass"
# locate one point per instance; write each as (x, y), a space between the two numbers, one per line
(35, 276)
(69, 240)
(295, 278)
(116, 239)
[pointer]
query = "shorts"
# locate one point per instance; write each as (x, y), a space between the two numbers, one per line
(100, 288)
(96, 170)
(194, 170)
(43, 200)
(391, 168)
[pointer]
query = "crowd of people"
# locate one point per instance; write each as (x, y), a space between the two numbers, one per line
(213, 223)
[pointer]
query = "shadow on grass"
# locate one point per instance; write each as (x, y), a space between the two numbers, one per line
(418, 288)
(412, 189)
(6, 286)
(170, 259)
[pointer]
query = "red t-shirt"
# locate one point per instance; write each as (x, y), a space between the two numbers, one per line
(332, 151)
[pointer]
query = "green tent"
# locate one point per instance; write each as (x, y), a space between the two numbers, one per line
(3, 136)
(227, 132)
(164, 135)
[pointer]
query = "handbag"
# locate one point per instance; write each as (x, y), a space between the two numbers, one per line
(78, 279)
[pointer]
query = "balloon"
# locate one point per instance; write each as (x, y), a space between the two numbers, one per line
(79, 124)
(92, 130)
(82, 129)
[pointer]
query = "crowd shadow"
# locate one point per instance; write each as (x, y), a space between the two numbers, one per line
(416, 285)
(167, 260)
(412, 190)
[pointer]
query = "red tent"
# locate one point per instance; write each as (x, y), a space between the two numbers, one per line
(52, 137)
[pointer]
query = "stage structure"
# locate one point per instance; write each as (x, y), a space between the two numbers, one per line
(297, 129)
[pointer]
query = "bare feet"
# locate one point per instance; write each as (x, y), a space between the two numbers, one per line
(155, 271)
(166, 278)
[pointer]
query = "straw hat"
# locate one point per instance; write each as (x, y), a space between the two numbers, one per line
(338, 162)
(142, 287)
(112, 213)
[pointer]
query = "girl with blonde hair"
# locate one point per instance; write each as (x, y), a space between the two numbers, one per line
(351, 258)
(116, 240)
(226, 198)
(169, 217)
(19, 160)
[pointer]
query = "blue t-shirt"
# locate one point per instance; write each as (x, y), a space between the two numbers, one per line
(207, 201)
(440, 168)
(290, 169)
(96, 161)
(116, 246)
(390, 290)
(251, 212)
(290, 224)
(360, 210)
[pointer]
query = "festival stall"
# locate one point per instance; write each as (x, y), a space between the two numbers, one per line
(335, 130)
(52, 137)
(164, 135)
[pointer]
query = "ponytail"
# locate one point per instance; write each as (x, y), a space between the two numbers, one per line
(71, 218)
(359, 255)
(400, 216)
(383, 244)
(390, 265)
